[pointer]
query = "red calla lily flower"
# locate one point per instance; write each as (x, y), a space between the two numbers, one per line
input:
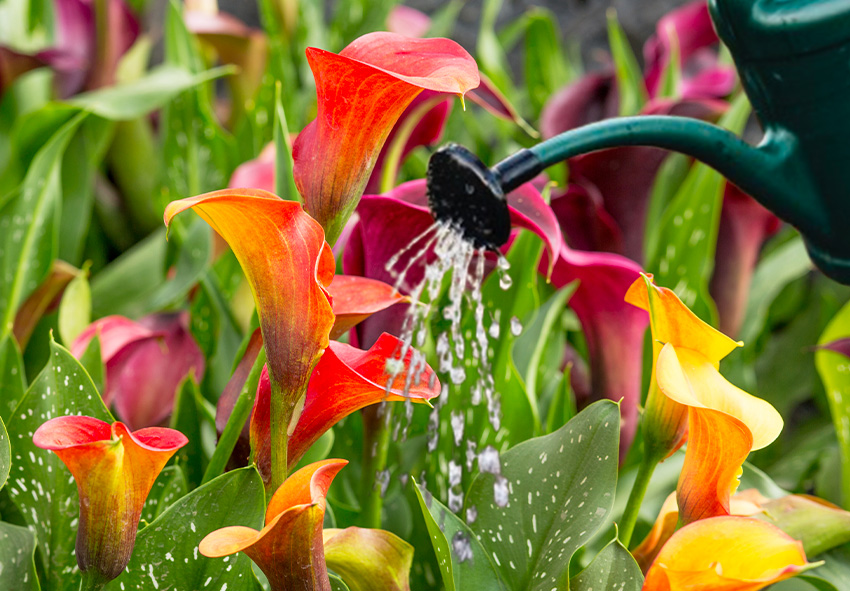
(346, 379)
(115, 470)
(145, 363)
(289, 549)
(371, 81)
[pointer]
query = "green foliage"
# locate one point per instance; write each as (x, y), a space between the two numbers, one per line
(166, 550)
(17, 556)
(613, 568)
(39, 483)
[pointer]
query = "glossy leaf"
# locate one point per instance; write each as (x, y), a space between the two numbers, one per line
(632, 90)
(17, 547)
(463, 561)
(193, 259)
(31, 234)
(12, 377)
(169, 486)
(689, 224)
(612, 568)
(541, 525)
(186, 418)
(832, 368)
(42, 490)
(546, 66)
(167, 550)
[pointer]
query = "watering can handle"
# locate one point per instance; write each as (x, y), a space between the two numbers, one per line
(766, 172)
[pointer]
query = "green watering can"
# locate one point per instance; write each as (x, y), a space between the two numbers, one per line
(793, 57)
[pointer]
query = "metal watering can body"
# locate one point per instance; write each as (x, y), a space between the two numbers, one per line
(793, 57)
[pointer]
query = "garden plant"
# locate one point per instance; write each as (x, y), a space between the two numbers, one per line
(242, 349)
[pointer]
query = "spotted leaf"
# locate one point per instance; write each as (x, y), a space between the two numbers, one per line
(17, 567)
(166, 555)
(560, 489)
(39, 483)
(613, 568)
(463, 561)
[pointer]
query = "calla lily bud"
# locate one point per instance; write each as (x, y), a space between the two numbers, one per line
(114, 470)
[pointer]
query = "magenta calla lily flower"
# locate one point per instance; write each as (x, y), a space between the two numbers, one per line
(407, 21)
(702, 75)
(589, 99)
(145, 363)
(744, 226)
(613, 329)
(386, 224)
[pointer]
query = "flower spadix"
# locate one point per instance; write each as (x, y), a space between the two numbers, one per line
(726, 554)
(114, 470)
(289, 549)
(724, 425)
(672, 322)
(362, 91)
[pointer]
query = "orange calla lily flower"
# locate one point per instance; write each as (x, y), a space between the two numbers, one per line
(346, 379)
(289, 549)
(726, 554)
(362, 92)
(289, 266)
(671, 321)
(356, 298)
(724, 423)
(114, 470)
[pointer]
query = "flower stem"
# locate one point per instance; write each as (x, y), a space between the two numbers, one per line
(91, 581)
(281, 414)
(630, 514)
(376, 443)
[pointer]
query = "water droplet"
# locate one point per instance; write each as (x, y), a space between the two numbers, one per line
(489, 461)
(461, 547)
(516, 326)
(471, 514)
(505, 281)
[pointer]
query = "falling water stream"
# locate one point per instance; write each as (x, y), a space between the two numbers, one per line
(466, 265)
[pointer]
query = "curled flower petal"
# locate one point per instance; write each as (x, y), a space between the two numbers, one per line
(114, 470)
(346, 379)
(724, 424)
(288, 265)
(726, 554)
(357, 298)
(371, 81)
(289, 549)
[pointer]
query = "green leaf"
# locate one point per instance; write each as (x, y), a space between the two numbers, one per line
(464, 564)
(284, 179)
(337, 584)
(166, 551)
(5, 455)
(632, 90)
(613, 568)
(40, 484)
(489, 52)
(775, 270)
(834, 370)
(529, 347)
(562, 406)
(75, 308)
(561, 490)
(186, 418)
(689, 229)
(126, 285)
(834, 573)
(17, 558)
(12, 377)
(29, 225)
(193, 260)
(169, 486)
(140, 97)
(546, 68)
(92, 362)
